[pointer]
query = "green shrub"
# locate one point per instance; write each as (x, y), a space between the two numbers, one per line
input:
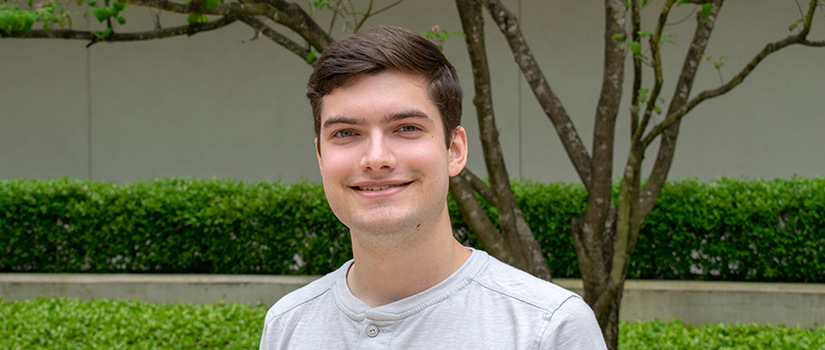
(64, 323)
(738, 230)
(173, 226)
(675, 335)
(735, 230)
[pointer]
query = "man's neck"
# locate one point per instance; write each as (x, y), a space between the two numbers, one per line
(382, 274)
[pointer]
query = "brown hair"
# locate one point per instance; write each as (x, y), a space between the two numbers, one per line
(377, 49)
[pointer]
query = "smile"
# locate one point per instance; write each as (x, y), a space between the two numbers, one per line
(379, 188)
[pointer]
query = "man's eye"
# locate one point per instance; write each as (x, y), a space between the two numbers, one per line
(343, 133)
(408, 128)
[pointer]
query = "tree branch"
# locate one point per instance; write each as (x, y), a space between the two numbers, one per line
(684, 85)
(472, 22)
(190, 29)
(635, 16)
(770, 48)
(477, 219)
(288, 14)
(232, 8)
(479, 186)
(273, 35)
(608, 105)
(550, 103)
(656, 53)
(292, 16)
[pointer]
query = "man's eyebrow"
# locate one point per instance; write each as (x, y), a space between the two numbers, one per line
(411, 113)
(390, 118)
(340, 119)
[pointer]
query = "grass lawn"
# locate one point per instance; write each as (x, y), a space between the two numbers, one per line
(64, 323)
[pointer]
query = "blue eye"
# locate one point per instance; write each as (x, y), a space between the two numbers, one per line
(343, 133)
(408, 128)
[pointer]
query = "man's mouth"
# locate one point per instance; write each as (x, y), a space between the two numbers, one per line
(379, 188)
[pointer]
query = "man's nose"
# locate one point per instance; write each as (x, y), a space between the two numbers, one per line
(379, 154)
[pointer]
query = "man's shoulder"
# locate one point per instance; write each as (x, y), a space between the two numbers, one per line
(302, 296)
(521, 287)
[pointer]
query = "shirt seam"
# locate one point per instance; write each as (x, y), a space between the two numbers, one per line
(550, 320)
(556, 305)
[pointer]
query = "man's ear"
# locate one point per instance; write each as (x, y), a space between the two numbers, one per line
(458, 151)
(318, 154)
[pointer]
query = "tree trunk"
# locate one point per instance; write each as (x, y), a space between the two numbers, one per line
(609, 322)
(513, 242)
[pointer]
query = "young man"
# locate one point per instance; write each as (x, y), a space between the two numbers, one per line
(387, 109)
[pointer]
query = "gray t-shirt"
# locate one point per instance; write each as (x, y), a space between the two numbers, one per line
(486, 304)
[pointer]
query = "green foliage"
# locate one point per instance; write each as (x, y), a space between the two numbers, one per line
(312, 55)
(770, 230)
(196, 18)
(65, 323)
(675, 335)
(438, 36)
(734, 230)
(12, 18)
(320, 4)
(106, 12)
(737, 230)
(172, 225)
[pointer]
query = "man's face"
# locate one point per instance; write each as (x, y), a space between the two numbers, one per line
(382, 156)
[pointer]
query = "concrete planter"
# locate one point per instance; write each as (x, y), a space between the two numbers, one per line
(693, 302)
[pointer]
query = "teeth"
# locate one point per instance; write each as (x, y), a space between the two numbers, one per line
(376, 188)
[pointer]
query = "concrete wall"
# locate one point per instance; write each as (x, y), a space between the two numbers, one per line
(213, 105)
(794, 304)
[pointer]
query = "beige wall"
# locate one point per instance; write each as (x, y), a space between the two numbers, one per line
(212, 105)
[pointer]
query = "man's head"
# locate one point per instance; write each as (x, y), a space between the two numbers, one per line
(377, 49)
(385, 100)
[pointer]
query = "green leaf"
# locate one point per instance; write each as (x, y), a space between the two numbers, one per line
(121, 20)
(618, 37)
(210, 4)
(119, 6)
(196, 18)
(100, 13)
(92, 2)
(794, 25)
(311, 56)
(645, 33)
(643, 94)
(636, 47)
(706, 10)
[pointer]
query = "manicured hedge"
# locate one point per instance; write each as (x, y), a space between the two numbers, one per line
(171, 226)
(64, 323)
(740, 230)
(67, 323)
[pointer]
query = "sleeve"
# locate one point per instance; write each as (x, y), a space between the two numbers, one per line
(573, 326)
(269, 334)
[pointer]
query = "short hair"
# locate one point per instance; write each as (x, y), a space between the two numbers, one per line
(377, 49)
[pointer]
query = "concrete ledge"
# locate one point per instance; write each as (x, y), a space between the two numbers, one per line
(693, 302)
(699, 302)
(155, 288)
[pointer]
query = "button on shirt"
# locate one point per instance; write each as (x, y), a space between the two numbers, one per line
(485, 304)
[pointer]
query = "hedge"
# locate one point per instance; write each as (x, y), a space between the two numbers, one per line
(737, 230)
(65, 323)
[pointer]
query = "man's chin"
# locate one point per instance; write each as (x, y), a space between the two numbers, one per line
(382, 224)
